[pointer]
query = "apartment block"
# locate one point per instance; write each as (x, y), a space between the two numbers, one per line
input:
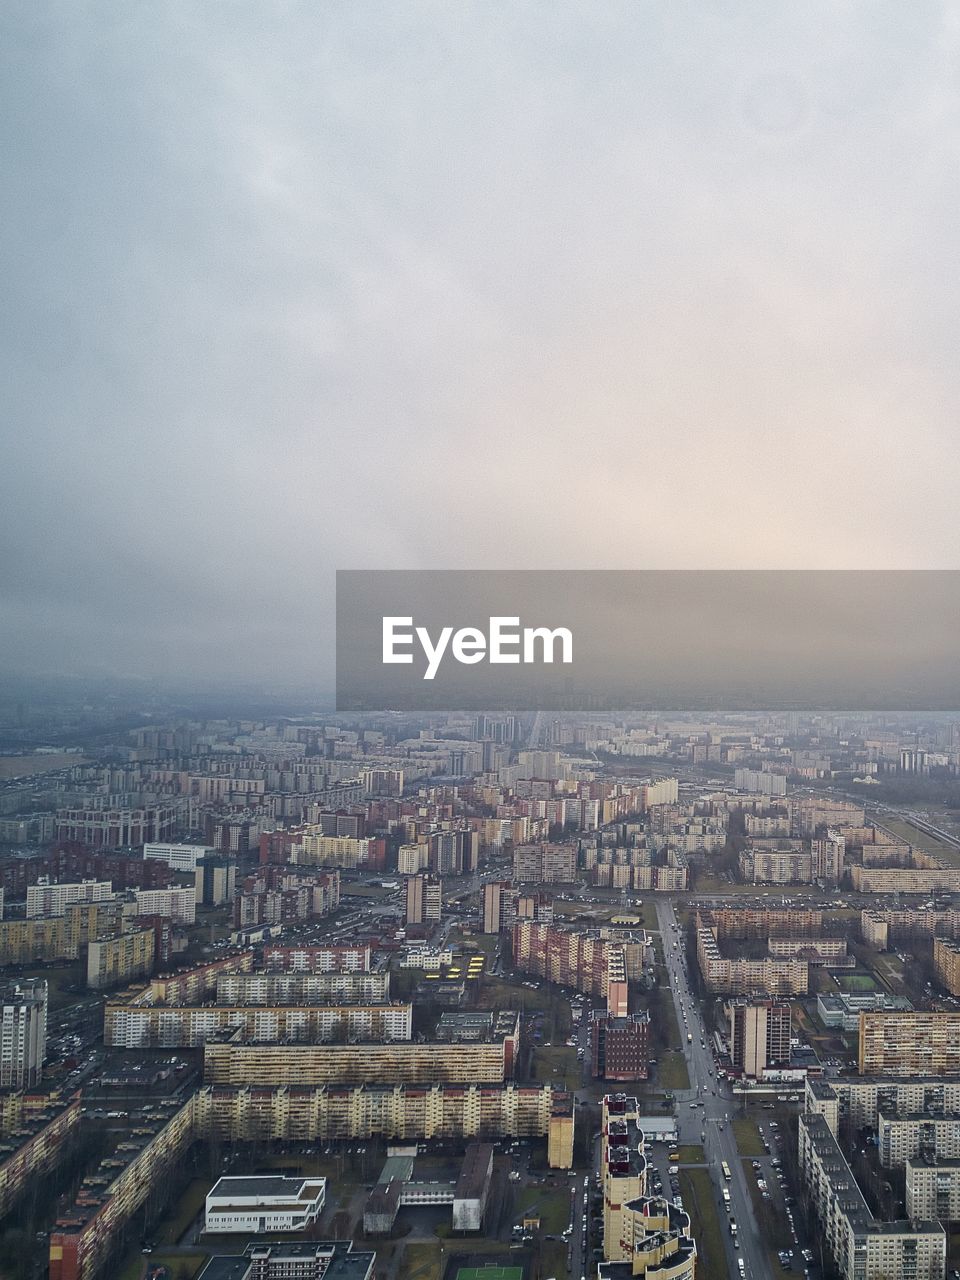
(890, 880)
(179, 905)
(946, 961)
(859, 1100)
(33, 1134)
(570, 958)
(231, 1059)
(762, 922)
(759, 1035)
(909, 1043)
(348, 959)
(914, 1135)
(642, 1235)
(345, 852)
(424, 900)
(137, 1025)
(860, 1246)
(45, 899)
(545, 863)
(809, 813)
(766, 784)
(302, 988)
(775, 866)
(35, 941)
(789, 977)
(215, 881)
(114, 961)
(117, 828)
(883, 928)
(933, 1190)
(619, 1046)
(23, 1032)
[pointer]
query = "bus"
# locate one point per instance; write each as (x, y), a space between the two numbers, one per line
(726, 1199)
(725, 1170)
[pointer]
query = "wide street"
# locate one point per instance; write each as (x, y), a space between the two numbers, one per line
(714, 1111)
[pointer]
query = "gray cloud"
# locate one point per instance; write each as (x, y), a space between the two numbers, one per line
(304, 286)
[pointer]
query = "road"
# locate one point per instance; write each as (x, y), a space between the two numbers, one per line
(717, 1109)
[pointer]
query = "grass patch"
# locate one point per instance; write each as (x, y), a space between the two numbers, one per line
(672, 1072)
(187, 1207)
(554, 1064)
(923, 841)
(553, 1258)
(551, 1207)
(748, 1138)
(699, 1200)
(420, 1261)
(690, 1155)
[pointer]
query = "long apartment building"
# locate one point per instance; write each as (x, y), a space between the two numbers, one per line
(749, 977)
(589, 963)
(889, 880)
(642, 1235)
(917, 1122)
(762, 922)
(34, 1131)
(45, 900)
(137, 1025)
(287, 959)
(86, 1236)
(302, 988)
(859, 1100)
(117, 828)
(231, 1058)
(861, 1246)
(346, 852)
(60, 937)
(881, 928)
(909, 1043)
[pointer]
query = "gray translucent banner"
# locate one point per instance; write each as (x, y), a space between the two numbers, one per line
(738, 639)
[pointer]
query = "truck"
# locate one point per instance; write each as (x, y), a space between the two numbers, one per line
(689, 1038)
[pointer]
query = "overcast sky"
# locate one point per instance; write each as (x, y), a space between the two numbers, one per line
(293, 287)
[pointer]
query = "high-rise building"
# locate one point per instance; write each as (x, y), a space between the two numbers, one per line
(424, 900)
(23, 1032)
(216, 881)
(759, 1035)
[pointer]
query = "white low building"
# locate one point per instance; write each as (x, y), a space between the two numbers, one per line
(254, 1205)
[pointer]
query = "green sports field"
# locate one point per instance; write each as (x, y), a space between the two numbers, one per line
(490, 1273)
